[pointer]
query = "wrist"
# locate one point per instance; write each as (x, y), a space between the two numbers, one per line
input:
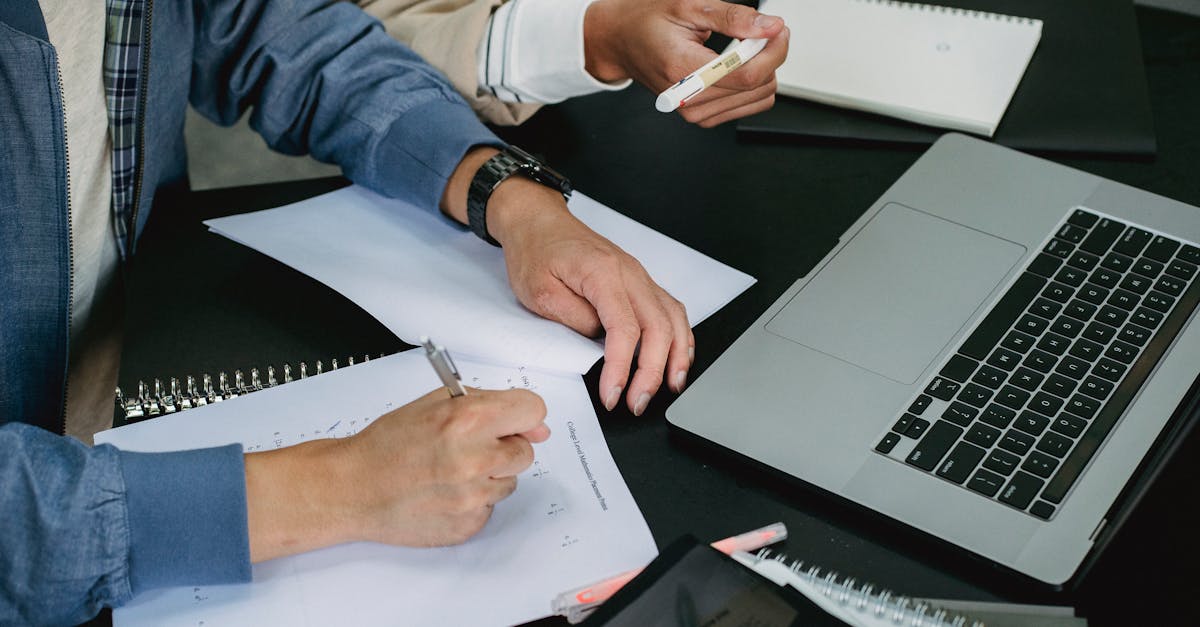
(518, 204)
(599, 36)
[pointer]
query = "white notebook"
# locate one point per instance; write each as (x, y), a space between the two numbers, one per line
(933, 65)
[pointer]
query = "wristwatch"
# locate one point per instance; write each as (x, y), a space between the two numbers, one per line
(509, 161)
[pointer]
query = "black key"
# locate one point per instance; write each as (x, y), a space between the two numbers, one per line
(1096, 388)
(1093, 294)
(944, 389)
(1122, 352)
(1109, 369)
(1083, 261)
(1134, 334)
(990, 377)
(997, 415)
(1146, 317)
(1001, 461)
(1086, 350)
(986, 483)
(1117, 262)
(1059, 248)
(1039, 464)
(1046, 404)
(1099, 332)
(975, 395)
(960, 462)
(1181, 269)
(1058, 292)
(959, 368)
(1032, 324)
(1021, 490)
(1045, 265)
(1148, 268)
(1071, 233)
(1042, 510)
(1122, 396)
(1016, 441)
(1004, 358)
(1054, 343)
(1011, 397)
(960, 414)
(1080, 310)
(1135, 283)
(888, 443)
(918, 428)
(1045, 308)
(1073, 367)
(983, 435)
(1081, 405)
(1026, 379)
(1169, 285)
(1001, 317)
(1102, 236)
(1040, 360)
(1132, 241)
(903, 423)
(1190, 254)
(1059, 385)
(918, 406)
(1159, 301)
(930, 450)
(1069, 425)
(1161, 249)
(1083, 218)
(1111, 316)
(1066, 326)
(1031, 423)
(1055, 444)
(1017, 341)
(1105, 278)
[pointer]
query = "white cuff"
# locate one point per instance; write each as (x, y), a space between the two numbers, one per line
(532, 51)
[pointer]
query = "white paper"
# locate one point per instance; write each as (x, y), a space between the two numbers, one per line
(571, 521)
(419, 273)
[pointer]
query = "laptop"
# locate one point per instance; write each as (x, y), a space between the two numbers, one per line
(999, 353)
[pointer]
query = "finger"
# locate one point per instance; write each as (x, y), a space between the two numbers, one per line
(538, 434)
(712, 113)
(652, 353)
(739, 112)
(735, 20)
(558, 303)
(501, 488)
(604, 289)
(761, 69)
(510, 456)
(683, 345)
(507, 412)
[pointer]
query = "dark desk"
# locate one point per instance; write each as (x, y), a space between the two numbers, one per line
(199, 303)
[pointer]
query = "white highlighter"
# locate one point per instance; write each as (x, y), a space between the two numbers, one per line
(680, 93)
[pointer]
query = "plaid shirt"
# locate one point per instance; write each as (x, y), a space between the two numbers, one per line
(122, 68)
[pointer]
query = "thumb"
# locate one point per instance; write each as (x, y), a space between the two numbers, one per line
(735, 20)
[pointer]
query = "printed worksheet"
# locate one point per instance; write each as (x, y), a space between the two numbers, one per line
(571, 521)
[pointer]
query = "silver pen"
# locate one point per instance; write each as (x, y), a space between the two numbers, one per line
(444, 367)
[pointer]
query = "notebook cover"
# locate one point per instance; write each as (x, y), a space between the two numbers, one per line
(1083, 92)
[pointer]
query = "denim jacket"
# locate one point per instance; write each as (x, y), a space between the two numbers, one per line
(83, 528)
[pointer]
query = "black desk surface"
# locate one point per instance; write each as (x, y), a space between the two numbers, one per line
(198, 302)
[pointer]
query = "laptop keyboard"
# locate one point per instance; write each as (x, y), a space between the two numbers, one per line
(1029, 397)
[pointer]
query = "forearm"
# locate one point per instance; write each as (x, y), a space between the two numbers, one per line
(291, 499)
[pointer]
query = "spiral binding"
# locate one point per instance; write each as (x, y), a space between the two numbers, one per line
(157, 401)
(865, 597)
(935, 8)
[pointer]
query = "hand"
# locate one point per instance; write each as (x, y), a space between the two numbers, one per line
(562, 270)
(658, 42)
(427, 474)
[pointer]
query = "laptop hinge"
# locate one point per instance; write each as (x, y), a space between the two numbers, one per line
(1099, 527)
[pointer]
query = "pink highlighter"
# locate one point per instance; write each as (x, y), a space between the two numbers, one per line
(577, 604)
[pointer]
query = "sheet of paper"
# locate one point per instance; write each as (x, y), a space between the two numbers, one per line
(571, 521)
(419, 273)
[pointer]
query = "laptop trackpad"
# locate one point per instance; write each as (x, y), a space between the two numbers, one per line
(897, 293)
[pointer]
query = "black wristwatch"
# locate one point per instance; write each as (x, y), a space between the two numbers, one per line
(509, 161)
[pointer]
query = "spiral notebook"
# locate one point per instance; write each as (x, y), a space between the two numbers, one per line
(940, 66)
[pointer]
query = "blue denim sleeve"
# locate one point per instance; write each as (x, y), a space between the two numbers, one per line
(86, 528)
(325, 78)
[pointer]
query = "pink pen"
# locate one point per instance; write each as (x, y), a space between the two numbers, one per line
(577, 604)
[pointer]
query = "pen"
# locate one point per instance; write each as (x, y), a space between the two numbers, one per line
(444, 367)
(680, 93)
(577, 604)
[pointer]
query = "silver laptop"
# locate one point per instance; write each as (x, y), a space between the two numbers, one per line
(992, 354)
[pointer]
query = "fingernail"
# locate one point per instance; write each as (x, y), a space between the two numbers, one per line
(691, 354)
(765, 21)
(678, 380)
(640, 405)
(614, 395)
